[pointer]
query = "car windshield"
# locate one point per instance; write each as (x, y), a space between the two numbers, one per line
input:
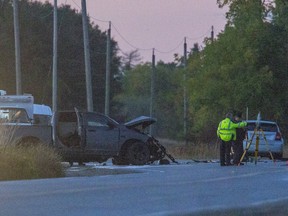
(270, 127)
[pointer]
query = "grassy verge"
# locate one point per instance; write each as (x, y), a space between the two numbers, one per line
(29, 163)
(189, 150)
(203, 151)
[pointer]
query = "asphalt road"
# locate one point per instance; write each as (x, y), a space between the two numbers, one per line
(185, 189)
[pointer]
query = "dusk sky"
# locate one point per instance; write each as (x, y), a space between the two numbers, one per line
(159, 24)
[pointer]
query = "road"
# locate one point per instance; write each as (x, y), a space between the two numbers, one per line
(185, 189)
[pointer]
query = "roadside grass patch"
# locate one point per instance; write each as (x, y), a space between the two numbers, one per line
(30, 162)
(198, 150)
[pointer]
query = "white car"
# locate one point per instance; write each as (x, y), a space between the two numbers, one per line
(268, 130)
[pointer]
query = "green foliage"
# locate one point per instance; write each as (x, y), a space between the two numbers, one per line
(36, 42)
(136, 97)
(245, 67)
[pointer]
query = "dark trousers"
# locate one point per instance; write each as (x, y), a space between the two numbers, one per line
(238, 152)
(225, 148)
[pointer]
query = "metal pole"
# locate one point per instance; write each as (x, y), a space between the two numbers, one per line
(185, 93)
(54, 76)
(152, 90)
(108, 63)
(212, 33)
(17, 48)
(87, 58)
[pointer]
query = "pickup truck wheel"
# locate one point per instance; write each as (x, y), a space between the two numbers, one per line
(119, 161)
(28, 142)
(138, 153)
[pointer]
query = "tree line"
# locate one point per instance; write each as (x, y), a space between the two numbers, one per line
(244, 68)
(36, 42)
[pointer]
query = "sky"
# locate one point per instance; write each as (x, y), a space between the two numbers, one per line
(161, 25)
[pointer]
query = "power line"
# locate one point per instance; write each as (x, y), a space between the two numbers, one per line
(172, 50)
(199, 37)
(143, 48)
(130, 44)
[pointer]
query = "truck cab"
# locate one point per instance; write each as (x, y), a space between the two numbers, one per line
(42, 114)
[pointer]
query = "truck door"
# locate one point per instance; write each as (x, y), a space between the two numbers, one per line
(102, 134)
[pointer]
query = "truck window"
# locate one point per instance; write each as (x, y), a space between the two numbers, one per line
(42, 119)
(14, 115)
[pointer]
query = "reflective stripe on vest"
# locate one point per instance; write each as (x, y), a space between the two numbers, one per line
(225, 136)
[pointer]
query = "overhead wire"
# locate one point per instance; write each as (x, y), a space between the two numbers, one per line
(141, 48)
(201, 36)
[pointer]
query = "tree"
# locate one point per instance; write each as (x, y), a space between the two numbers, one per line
(36, 31)
(136, 97)
(130, 59)
(237, 70)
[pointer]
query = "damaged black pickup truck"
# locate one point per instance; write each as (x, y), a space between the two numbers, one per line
(89, 136)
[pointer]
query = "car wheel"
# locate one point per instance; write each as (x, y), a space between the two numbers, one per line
(138, 153)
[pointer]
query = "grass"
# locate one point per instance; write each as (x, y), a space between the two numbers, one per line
(29, 162)
(197, 151)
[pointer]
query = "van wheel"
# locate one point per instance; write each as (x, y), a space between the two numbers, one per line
(138, 154)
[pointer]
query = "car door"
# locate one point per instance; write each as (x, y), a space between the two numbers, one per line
(102, 134)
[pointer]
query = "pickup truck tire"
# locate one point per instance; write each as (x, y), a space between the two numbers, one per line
(138, 153)
(119, 161)
(28, 142)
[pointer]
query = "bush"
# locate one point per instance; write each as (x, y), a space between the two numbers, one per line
(30, 162)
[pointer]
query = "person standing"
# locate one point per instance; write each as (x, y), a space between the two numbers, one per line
(238, 143)
(227, 133)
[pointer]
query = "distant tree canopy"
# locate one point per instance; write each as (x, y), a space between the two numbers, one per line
(244, 68)
(36, 42)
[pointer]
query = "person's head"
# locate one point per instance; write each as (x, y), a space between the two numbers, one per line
(238, 116)
(229, 115)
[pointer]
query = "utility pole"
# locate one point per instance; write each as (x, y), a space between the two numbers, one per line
(185, 93)
(87, 58)
(212, 33)
(108, 72)
(17, 48)
(55, 49)
(152, 89)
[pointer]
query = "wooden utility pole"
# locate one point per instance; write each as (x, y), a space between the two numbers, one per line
(185, 93)
(212, 33)
(87, 58)
(17, 48)
(152, 90)
(108, 72)
(55, 49)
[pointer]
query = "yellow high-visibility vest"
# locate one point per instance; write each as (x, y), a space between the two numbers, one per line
(227, 129)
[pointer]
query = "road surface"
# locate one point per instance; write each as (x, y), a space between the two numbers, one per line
(186, 189)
